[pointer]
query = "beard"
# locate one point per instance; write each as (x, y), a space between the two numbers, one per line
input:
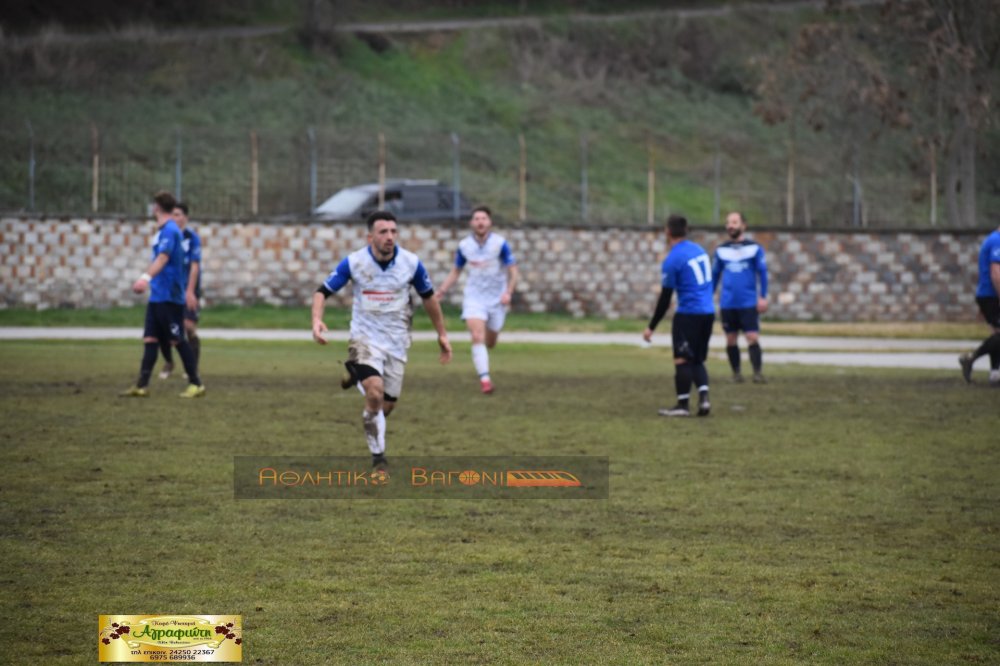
(734, 233)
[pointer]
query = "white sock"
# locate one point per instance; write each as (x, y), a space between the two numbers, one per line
(374, 431)
(481, 359)
(360, 388)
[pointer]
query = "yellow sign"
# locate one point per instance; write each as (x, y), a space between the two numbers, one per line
(141, 638)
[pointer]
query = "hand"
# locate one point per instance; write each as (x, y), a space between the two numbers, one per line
(761, 305)
(647, 335)
(192, 301)
(445, 348)
(319, 328)
(505, 299)
(139, 286)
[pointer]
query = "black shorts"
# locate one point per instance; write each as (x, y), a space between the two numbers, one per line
(735, 320)
(190, 315)
(691, 333)
(164, 321)
(990, 307)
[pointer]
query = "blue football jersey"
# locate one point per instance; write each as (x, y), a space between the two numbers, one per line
(688, 271)
(192, 252)
(738, 265)
(989, 254)
(168, 285)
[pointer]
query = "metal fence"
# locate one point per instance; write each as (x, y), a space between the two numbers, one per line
(570, 177)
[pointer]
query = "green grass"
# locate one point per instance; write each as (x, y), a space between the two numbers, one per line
(268, 316)
(829, 517)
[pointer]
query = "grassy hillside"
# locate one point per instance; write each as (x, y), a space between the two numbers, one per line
(674, 91)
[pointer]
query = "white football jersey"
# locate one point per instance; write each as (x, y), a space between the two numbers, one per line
(487, 267)
(381, 314)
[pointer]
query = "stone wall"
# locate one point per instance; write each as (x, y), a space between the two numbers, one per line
(609, 272)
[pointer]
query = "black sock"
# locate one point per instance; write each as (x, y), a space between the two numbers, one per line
(682, 382)
(190, 365)
(990, 346)
(756, 357)
(149, 354)
(165, 350)
(700, 375)
(733, 351)
(195, 343)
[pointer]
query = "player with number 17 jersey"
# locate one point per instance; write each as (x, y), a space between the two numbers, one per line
(688, 271)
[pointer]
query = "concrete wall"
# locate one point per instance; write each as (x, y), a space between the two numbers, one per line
(609, 272)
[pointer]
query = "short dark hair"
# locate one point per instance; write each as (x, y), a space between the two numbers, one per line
(482, 209)
(165, 200)
(183, 206)
(743, 218)
(379, 215)
(677, 226)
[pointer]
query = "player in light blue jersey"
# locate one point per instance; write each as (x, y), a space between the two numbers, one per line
(167, 283)
(988, 299)
(382, 274)
(688, 271)
(739, 265)
(191, 243)
(488, 288)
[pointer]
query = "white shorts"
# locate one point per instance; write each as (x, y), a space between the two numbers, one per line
(387, 365)
(494, 315)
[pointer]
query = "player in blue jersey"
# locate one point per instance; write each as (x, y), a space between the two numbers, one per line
(192, 269)
(167, 284)
(988, 299)
(688, 271)
(739, 265)
(488, 289)
(382, 274)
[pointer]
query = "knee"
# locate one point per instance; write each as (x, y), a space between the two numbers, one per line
(191, 329)
(733, 338)
(752, 338)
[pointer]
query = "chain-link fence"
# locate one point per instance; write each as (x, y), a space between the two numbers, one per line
(569, 177)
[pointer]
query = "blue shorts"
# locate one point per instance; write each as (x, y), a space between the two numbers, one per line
(164, 321)
(740, 319)
(990, 307)
(691, 333)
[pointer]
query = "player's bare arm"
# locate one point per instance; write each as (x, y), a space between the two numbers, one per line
(140, 285)
(318, 327)
(437, 318)
(512, 276)
(448, 283)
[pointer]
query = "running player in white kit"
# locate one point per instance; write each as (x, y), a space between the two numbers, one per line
(382, 274)
(488, 288)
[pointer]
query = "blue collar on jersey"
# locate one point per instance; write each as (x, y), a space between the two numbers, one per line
(386, 264)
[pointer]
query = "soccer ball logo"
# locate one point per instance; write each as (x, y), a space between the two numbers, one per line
(380, 477)
(469, 477)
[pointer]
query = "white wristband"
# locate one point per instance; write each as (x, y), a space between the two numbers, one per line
(147, 277)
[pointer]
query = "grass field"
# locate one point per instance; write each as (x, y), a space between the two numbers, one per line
(829, 517)
(267, 316)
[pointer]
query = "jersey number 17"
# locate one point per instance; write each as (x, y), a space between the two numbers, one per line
(702, 268)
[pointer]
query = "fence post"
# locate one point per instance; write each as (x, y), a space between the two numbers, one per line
(311, 133)
(856, 189)
(584, 183)
(456, 171)
(178, 183)
(718, 186)
(522, 210)
(650, 184)
(254, 174)
(31, 166)
(933, 160)
(790, 183)
(381, 170)
(95, 148)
